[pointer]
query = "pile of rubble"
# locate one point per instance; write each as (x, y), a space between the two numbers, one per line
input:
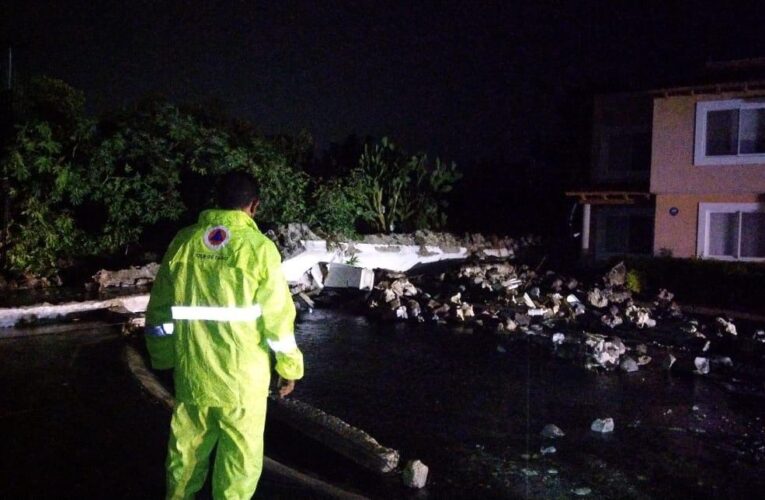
(605, 326)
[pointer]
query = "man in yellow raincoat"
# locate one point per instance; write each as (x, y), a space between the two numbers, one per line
(219, 302)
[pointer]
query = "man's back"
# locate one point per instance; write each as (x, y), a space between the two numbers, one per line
(220, 275)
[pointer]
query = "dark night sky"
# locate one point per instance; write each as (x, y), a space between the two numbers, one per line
(462, 79)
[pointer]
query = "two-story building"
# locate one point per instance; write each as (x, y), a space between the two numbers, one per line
(678, 171)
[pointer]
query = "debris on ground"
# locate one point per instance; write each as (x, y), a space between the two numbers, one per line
(415, 474)
(551, 431)
(132, 277)
(603, 326)
(602, 425)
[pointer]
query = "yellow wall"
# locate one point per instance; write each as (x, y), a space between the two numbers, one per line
(678, 234)
(672, 168)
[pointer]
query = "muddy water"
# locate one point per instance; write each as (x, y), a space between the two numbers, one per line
(473, 415)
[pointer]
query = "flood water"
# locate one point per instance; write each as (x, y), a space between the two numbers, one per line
(473, 415)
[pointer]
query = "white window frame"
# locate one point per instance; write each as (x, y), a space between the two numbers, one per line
(700, 150)
(702, 242)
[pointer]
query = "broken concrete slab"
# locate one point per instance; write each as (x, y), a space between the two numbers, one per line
(415, 474)
(346, 276)
(349, 441)
(14, 316)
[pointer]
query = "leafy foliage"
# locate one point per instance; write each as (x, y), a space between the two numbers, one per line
(79, 187)
(338, 205)
(400, 191)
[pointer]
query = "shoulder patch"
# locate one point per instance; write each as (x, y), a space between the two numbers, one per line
(216, 237)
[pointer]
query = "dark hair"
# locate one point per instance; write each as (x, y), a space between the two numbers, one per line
(236, 190)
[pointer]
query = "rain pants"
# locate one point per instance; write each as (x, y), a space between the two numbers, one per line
(218, 303)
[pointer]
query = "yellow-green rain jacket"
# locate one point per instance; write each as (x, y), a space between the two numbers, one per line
(220, 300)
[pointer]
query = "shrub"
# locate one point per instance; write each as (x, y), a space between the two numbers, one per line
(337, 207)
(80, 188)
(704, 282)
(400, 192)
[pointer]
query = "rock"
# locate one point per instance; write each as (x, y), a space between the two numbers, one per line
(664, 296)
(640, 316)
(547, 450)
(388, 295)
(528, 302)
(551, 431)
(702, 365)
(628, 365)
(134, 276)
(643, 360)
(668, 360)
(403, 288)
(558, 338)
(617, 343)
(467, 310)
(596, 298)
(415, 474)
(617, 276)
(603, 425)
(726, 326)
(414, 309)
(604, 353)
(611, 321)
(402, 313)
(581, 492)
(759, 336)
(572, 299)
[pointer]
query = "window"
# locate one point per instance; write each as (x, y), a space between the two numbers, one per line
(623, 230)
(731, 231)
(625, 152)
(730, 132)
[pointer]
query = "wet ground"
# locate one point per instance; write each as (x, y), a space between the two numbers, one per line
(77, 425)
(473, 414)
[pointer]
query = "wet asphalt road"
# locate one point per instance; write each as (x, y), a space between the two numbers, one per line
(474, 414)
(74, 421)
(75, 424)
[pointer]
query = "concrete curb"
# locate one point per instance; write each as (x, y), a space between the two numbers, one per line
(149, 381)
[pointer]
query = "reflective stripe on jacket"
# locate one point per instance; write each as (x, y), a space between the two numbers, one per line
(222, 288)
